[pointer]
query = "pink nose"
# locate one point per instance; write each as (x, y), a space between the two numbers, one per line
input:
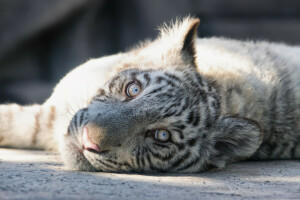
(87, 143)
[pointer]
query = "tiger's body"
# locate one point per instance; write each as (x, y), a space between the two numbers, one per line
(177, 104)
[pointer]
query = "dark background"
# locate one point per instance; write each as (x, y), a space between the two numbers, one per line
(41, 40)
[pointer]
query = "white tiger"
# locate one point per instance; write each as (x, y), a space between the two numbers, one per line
(175, 104)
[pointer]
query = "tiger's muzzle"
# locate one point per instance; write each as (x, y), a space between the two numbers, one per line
(109, 125)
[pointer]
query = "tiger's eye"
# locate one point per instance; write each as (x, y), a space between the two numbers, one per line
(133, 89)
(162, 135)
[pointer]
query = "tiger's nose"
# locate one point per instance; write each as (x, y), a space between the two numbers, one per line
(87, 143)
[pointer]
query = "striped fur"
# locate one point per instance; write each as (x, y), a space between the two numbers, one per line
(221, 101)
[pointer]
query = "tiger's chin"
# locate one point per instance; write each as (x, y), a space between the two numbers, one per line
(73, 157)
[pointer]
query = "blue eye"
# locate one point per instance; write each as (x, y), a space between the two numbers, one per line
(133, 89)
(162, 135)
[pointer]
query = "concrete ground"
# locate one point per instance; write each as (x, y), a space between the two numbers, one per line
(40, 175)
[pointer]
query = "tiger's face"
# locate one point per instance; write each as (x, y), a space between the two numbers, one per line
(147, 121)
(158, 119)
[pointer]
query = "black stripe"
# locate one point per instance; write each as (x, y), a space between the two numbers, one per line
(179, 131)
(159, 79)
(209, 88)
(199, 80)
(190, 164)
(73, 129)
(81, 118)
(190, 117)
(156, 90)
(133, 75)
(98, 99)
(168, 114)
(271, 149)
(186, 105)
(69, 129)
(196, 119)
(153, 167)
(283, 149)
(293, 150)
(111, 86)
(105, 164)
(203, 96)
(117, 163)
(149, 161)
(208, 120)
(172, 90)
(143, 157)
(180, 126)
(162, 157)
(147, 78)
(113, 162)
(113, 83)
(192, 142)
(161, 95)
(273, 111)
(173, 77)
(132, 160)
(101, 92)
(126, 164)
(137, 156)
(161, 145)
(190, 78)
(180, 146)
(181, 136)
(171, 106)
(170, 83)
(214, 104)
(75, 121)
(183, 158)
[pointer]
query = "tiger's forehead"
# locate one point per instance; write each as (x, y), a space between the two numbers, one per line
(151, 76)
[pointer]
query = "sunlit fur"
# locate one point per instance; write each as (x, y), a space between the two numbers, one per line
(221, 100)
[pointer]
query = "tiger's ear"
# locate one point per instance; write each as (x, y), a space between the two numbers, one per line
(182, 36)
(188, 51)
(235, 139)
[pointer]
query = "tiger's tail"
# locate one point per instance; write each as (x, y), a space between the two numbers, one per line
(29, 127)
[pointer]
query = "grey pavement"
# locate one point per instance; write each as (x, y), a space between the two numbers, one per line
(28, 174)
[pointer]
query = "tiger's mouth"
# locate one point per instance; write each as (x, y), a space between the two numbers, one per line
(80, 152)
(73, 155)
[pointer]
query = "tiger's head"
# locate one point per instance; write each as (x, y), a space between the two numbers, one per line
(157, 114)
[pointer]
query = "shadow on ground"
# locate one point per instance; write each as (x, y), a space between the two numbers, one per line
(40, 175)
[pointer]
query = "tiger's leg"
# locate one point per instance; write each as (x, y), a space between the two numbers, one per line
(27, 126)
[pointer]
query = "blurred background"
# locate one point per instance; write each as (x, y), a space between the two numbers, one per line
(40, 41)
